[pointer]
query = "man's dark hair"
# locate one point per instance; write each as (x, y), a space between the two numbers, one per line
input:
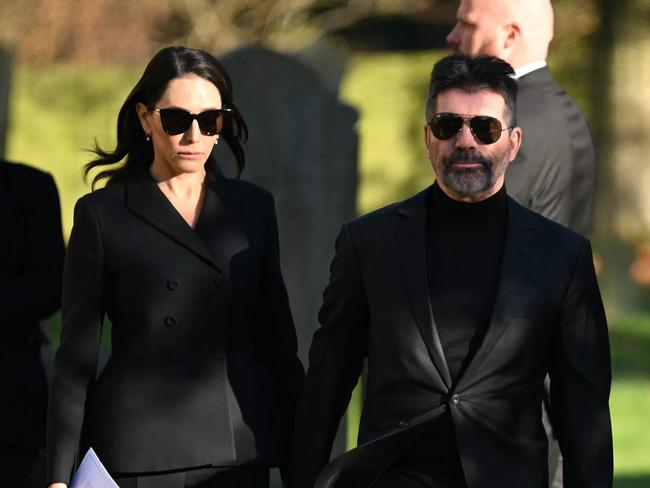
(471, 74)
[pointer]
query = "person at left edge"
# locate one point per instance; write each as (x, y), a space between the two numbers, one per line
(203, 375)
(31, 265)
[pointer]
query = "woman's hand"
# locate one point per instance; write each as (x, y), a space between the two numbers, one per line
(58, 485)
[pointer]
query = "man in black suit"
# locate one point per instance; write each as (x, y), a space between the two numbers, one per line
(555, 170)
(462, 301)
(31, 264)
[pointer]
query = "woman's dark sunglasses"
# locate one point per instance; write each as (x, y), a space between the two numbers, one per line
(176, 121)
(485, 129)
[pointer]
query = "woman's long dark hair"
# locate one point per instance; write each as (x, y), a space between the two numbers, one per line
(167, 64)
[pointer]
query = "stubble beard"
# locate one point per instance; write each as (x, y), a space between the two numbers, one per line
(469, 182)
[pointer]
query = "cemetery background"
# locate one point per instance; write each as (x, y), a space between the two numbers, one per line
(74, 62)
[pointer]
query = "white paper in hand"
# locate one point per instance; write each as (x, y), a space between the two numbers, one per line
(92, 474)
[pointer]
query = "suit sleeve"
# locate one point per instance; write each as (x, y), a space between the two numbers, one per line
(36, 293)
(336, 359)
(581, 380)
(75, 363)
(276, 343)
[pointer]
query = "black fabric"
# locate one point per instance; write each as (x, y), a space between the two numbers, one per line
(414, 476)
(464, 251)
(31, 266)
(547, 317)
(16, 464)
(554, 173)
(432, 461)
(203, 367)
(237, 477)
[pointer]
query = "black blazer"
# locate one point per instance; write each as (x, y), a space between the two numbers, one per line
(203, 367)
(548, 317)
(554, 173)
(31, 265)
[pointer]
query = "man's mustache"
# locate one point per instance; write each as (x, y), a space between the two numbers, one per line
(466, 157)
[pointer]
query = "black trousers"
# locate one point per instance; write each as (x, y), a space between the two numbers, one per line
(250, 476)
(431, 462)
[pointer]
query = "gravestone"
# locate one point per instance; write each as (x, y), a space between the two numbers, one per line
(6, 65)
(303, 148)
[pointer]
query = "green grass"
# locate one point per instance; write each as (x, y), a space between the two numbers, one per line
(630, 407)
(630, 399)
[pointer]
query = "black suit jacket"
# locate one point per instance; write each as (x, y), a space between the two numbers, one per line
(548, 317)
(203, 367)
(31, 265)
(554, 173)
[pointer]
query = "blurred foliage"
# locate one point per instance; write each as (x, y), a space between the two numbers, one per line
(56, 115)
(389, 91)
(571, 53)
(51, 31)
(98, 31)
(282, 24)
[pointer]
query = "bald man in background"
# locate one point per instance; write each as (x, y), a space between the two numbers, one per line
(554, 173)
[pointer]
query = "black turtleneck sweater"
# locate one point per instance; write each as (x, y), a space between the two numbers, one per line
(464, 249)
(465, 244)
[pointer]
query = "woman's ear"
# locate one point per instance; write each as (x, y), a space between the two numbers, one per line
(144, 114)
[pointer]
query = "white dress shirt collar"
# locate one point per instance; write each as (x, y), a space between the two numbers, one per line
(529, 68)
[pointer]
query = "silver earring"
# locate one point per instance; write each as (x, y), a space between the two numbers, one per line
(148, 137)
(216, 141)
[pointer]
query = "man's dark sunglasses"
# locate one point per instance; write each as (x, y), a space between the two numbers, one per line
(485, 129)
(176, 121)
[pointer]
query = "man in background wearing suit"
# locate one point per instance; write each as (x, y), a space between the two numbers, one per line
(555, 171)
(31, 267)
(462, 301)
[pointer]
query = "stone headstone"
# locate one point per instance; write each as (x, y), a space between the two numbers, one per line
(6, 66)
(303, 148)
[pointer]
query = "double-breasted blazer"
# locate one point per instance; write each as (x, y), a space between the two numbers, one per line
(548, 317)
(203, 367)
(31, 266)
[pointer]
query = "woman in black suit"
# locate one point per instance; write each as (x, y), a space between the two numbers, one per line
(203, 376)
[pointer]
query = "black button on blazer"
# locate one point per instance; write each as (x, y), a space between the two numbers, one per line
(198, 374)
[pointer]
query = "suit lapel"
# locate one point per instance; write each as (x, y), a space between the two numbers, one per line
(513, 284)
(411, 237)
(144, 199)
(215, 225)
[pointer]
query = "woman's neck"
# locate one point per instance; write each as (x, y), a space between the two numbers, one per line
(182, 186)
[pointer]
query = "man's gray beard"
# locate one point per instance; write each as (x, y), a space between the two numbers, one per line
(468, 181)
